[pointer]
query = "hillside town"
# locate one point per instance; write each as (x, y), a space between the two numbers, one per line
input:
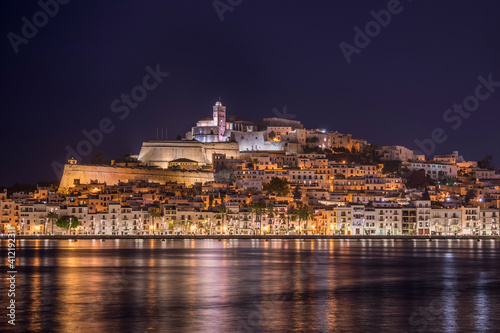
(274, 178)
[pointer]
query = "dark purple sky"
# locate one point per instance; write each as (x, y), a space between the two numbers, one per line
(263, 55)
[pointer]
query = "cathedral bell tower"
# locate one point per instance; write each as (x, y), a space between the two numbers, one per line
(219, 117)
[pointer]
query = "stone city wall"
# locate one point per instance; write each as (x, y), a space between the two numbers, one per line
(112, 175)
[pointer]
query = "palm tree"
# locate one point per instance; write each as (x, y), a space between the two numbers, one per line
(189, 222)
(282, 218)
(153, 213)
(255, 163)
(51, 216)
(199, 225)
(221, 213)
(183, 224)
(292, 215)
(270, 210)
(171, 225)
(258, 210)
(305, 213)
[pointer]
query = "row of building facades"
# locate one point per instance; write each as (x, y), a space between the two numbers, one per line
(200, 215)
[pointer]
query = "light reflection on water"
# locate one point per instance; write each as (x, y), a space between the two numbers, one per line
(255, 286)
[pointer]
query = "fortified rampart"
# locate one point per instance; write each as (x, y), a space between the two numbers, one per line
(111, 175)
(160, 153)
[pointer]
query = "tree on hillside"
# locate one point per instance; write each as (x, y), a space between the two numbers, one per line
(97, 158)
(312, 150)
(441, 175)
(470, 195)
(450, 181)
(392, 167)
(271, 135)
(279, 186)
(371, 153)
(224, 176)
(297, 193)
(486, 163)
(340, 150)
(425, 195)
(430, 180)
(313, 139)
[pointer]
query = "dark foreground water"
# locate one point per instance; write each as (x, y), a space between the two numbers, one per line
(254, 286)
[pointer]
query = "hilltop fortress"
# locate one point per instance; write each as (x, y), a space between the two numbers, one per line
(190, 160)
(220, 135)
(162, 153)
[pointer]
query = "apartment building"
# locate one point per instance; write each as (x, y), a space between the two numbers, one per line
(437, 171)
(396, 153)
(9, 210)
(446, 221)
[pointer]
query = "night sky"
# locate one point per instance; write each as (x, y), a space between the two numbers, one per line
(263, 55)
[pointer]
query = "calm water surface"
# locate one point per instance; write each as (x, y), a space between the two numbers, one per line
(255, 286)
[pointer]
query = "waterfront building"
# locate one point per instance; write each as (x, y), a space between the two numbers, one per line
(489, 218)
(9, 210)
(446, 221)
(470, 221)
(423, 217)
